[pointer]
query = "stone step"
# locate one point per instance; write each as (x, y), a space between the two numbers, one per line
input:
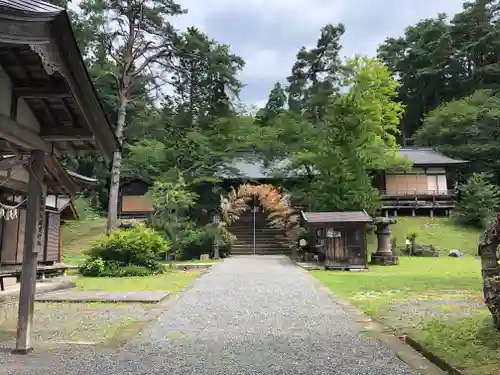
(259, 246)
(262, 252)
(261, 237)
(250, 229)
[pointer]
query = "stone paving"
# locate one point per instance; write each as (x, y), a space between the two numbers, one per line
(249, 315)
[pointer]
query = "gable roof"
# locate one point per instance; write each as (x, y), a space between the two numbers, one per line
(428, 156)
(337, 217)
(35, 27)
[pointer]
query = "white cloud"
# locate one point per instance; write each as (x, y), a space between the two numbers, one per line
(268, 33)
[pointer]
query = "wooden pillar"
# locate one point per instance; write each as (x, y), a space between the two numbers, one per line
(413, 212)
(432, 212)
(59, 257)
(32, 245)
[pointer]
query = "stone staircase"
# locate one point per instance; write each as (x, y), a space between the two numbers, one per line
(268, 240)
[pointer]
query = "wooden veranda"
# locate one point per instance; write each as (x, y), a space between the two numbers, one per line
(49, 107)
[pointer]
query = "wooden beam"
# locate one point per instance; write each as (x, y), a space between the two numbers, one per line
(56, 169)
(10, 163)
(41, 93)
(20, 136)
(13, 185)
(35, 212)
(67, 134)
(15, 150)
(21, 31)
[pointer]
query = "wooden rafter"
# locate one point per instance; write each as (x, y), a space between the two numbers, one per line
(41, 92)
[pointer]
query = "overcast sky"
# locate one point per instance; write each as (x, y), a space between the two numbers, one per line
(268, 33)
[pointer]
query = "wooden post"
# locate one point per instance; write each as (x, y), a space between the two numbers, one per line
(59, 256)
(32, 245)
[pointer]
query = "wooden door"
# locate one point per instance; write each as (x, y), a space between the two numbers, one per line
(356, 247)
(335, 249)
(338, 249)
(52, 229)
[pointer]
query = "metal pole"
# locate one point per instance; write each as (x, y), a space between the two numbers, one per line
(254, 226)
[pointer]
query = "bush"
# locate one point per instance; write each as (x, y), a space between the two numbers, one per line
(85, 208)
(478, 200)
(134, 271)
(132, 252)
(93, 267)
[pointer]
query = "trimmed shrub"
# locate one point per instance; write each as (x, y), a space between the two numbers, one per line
(131, 252)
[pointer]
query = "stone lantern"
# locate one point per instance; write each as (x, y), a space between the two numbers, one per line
(384, 255)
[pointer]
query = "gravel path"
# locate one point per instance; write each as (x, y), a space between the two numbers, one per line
(247, 316)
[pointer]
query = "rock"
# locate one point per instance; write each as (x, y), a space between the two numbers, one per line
(424, 251)
(127, 225)
(455, 254)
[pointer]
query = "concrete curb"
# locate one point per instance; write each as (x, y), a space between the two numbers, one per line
(193, 266)
(401, 348)
(432, 357)
(42, 287)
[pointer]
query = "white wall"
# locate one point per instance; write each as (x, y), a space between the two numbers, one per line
(24, 115)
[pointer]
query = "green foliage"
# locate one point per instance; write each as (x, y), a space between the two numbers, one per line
(478, 200)
(93, 268)
(138, 246)
(439, 60)
(172, 201)
(467, 129)
(338, 150)
(85, 209)
(130, 271)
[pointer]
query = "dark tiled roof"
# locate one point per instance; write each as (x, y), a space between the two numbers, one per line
(428, 156)
(249, 165)
(31, 6)
(337, 217)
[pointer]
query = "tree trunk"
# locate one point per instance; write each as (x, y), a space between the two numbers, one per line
(116, 166)
(491, 270)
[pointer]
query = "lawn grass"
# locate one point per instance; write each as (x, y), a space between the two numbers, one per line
(441, 232)
(78, 236)
(172, 281)
(407, 297)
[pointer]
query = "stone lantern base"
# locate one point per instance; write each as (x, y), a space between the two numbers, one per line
(384, 259)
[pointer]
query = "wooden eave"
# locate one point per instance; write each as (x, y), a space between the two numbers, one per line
(58, 180)
(57, 88)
